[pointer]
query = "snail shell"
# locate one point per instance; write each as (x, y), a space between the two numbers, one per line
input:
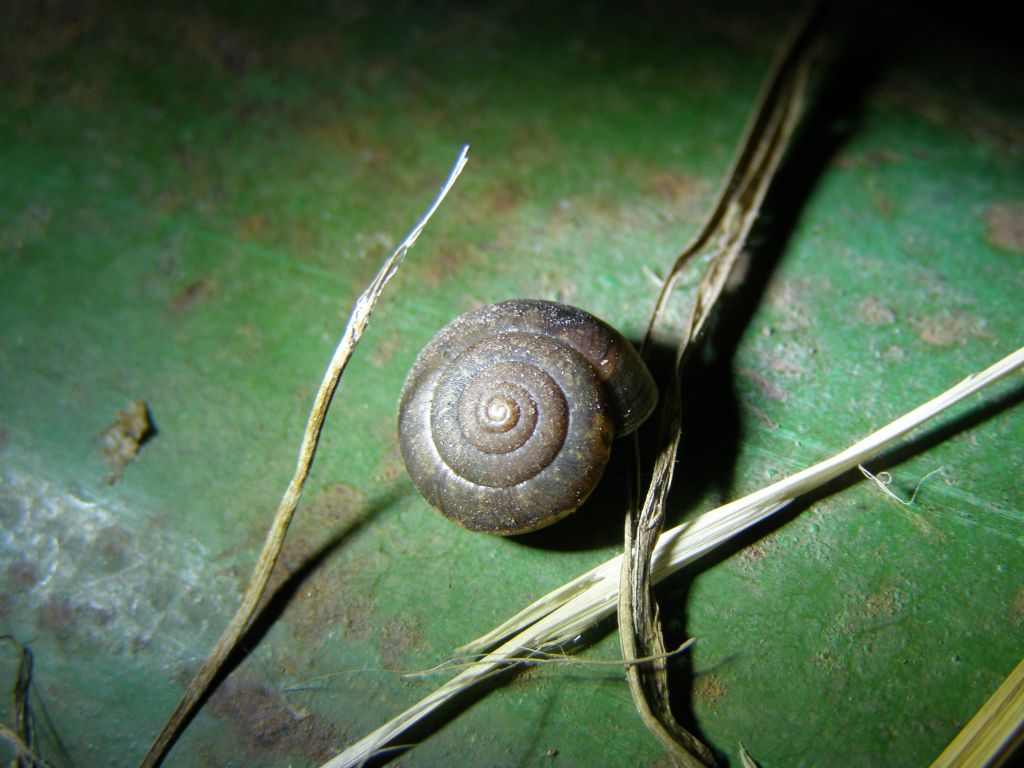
(507, 417)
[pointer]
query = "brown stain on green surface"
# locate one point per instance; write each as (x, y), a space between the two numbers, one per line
(873, 158)
(792, 298)
(22, 575)
(114, 549)
(357, 614)
(880, 604)
(391, 465)
(768, 389)
(192, 294)
(323, 593)
(399, 636)
(169, 201)
(826, 661)
(870, 611)
(1017, 608)
(316, 608)
(709, 689)
(759, 550)
(500, 198)
(671, 188)
(384, 349)
(270, 724)
(252, 226)
(446, 257)
(874, 312)
(1005, 226)
(946, 329)
(66, 620)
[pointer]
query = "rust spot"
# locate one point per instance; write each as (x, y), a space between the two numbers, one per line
(874, 312)
(884, 205)
(785, 365)
(64, 619)
(871, 159)
(944, 330)
(754, 552)
(169, 201)
(22, 575)
(767, 388)
(790, 299)
(709, 689)
(673, 187)
(761, 416)
(1017, 608)
(271, 725)
(316, 608)
(300, 236)
(339, 504)
(1005, 223)
(447, 259)
(385, 349)
(502, 199)
(826, 661)
(880, 604)
(252, 226)
(322, 595)
(57, 616)
(358, 617)
(399, 636)
(187, 160)
(391, 464)
(877, 157)
(194, 292)
(114, 548)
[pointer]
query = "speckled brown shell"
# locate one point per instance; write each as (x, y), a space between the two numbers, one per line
(507, 417)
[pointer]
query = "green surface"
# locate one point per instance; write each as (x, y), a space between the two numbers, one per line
(190, 200)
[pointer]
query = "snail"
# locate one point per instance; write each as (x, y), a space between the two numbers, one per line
(507, 417)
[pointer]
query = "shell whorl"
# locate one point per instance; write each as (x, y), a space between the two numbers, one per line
(507, 417)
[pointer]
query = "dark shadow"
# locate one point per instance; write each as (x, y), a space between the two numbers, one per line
(711, 413)
(598, 523)
(275, 603)
(851, 61)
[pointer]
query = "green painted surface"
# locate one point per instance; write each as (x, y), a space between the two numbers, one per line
(191, 198)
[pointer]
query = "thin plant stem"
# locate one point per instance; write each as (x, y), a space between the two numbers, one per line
(357, 322)
(720, 240)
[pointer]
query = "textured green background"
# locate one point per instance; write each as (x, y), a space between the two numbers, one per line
(191, 196)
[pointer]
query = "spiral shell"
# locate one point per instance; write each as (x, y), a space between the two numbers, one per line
(507, 417)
